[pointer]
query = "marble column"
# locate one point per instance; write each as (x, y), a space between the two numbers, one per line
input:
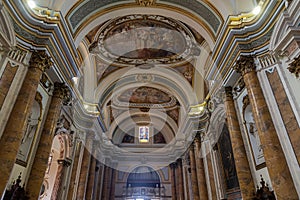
(105, 191)
(83, 176)
(186, 181)
(74, 170)
(280, 176)
(240, 157)
(179, 176)
(100, 181)
(211, 174)
(59, 180)
(17, 122)
(91, 179)
(194, 173)
(113, 183)
(173, 180)
(200, 169)
(61, 94)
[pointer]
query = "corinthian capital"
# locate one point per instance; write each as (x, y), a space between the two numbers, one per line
(244, 65)
(40, 60)
(294, 67)
(63, 92)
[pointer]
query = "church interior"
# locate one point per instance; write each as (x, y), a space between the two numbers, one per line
(149, 99)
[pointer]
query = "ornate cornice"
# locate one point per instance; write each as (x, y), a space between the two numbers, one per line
(244, 65)
(294, 67)
(253, 37)
(40, 60)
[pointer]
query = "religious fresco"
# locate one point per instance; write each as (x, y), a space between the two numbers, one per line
(144, 95)
(138, 39)
(144, 40)
(227, 159)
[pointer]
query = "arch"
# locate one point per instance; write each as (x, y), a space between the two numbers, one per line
(59, 151)
(143, 176)
(161, 76)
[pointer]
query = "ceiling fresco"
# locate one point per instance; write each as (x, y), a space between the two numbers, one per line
(144, 39)
(144, 95)
(139, 39)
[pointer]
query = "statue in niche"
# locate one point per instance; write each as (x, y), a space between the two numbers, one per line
(30, 129)
(29, 134)
(254, 133)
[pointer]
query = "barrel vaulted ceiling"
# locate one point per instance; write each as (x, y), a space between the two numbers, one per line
(143, 62)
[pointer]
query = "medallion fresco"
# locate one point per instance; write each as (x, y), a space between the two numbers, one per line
(139, 39)
(144, 40)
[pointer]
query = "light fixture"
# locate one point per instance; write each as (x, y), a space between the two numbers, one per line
(75, 80)
(256, 10)
(31, 4)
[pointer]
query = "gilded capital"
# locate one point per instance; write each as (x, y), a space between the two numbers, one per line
(40, 60)
(294, 67)
(63, 92)
(244, 65)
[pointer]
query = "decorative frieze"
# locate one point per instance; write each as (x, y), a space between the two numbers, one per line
(294, 67)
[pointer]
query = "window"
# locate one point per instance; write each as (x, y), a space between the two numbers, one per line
(144, 134)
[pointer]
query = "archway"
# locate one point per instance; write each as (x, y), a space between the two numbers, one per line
(143, 183)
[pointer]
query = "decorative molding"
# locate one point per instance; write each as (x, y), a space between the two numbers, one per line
(271, 70)
(267, 60)
(146, 2)
(294, 67)
(17, 55)
(244, 65)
